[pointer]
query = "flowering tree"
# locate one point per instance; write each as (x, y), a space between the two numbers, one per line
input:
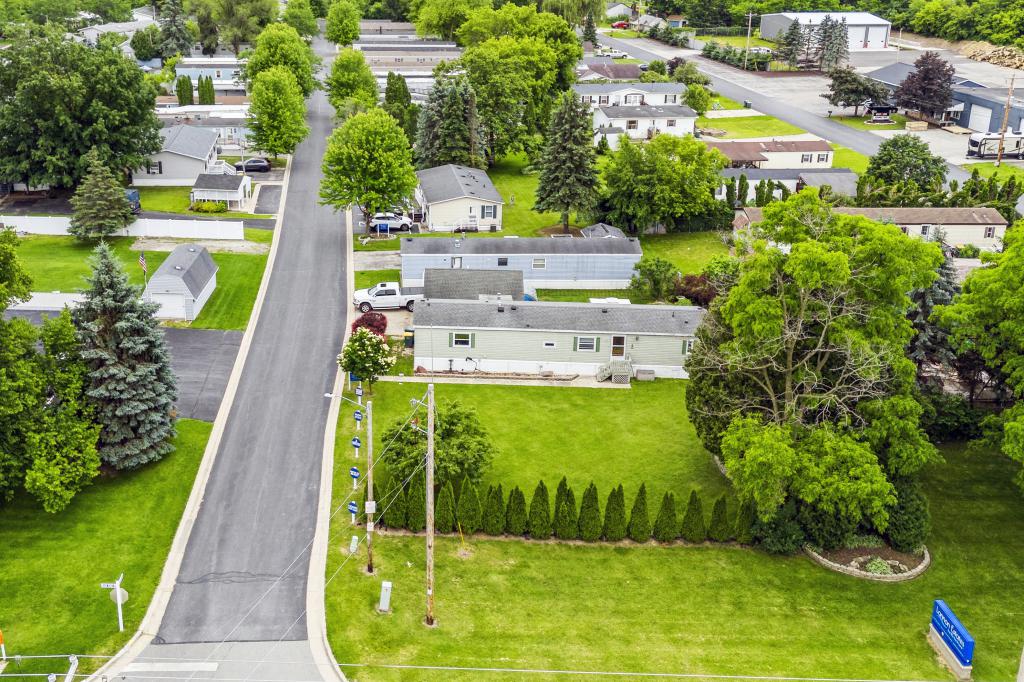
(366, 355)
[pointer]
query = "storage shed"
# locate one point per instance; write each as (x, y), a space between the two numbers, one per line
(865, 30)
(183, 283)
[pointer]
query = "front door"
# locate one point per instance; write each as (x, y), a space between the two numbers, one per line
(618, 346)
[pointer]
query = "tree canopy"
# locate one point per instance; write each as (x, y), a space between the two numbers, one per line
(442, 18)
(299, 15)
(448, 130)
(342, 22)
(281, 45)
(351, 84)
(277, 113)
(929, 88)
(906, 158)
(568, 176)
(847, 88)
(99, 203)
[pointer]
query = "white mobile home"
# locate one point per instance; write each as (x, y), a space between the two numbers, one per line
(458, 199)
(642, 122)
(187, 152)
(183, 283)
(630, 94)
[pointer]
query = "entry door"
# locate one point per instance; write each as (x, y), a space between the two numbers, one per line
(618, 346)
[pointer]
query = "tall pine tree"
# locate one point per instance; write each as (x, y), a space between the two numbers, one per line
(930, 344)
(666, 526)
(540, 513)
(416, 504)
(515, 513)
(566, 520)
(444, 512)
(590, 30)
(99, 203)
(176, 38)
(639, 519)
(448, 130)
(615, 515)
(590, 515)
(130, 385)
(568, 176)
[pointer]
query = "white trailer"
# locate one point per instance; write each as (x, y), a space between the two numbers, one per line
(984, 145)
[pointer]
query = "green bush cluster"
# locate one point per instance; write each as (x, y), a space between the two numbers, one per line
(733, 56)
(668, 35)
(210, 207)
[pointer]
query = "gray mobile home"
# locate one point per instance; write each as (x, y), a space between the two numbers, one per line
(538, 337)
(546, 263)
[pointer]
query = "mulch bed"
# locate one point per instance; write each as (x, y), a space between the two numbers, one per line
(845, 556)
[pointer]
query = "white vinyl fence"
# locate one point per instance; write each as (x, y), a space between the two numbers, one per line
(142, 227)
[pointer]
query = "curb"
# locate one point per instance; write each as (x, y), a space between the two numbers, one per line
(864, 575)
(161, 597)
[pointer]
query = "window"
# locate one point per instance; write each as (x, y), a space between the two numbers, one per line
(670, 123)
(587, 99)
(456, 262)
(925, 229)
(549, 344)
(823, 158)
(687, 346)
(421, 60)
(990, 232)
(155, 168)
(540, 263)
(216, 73)
(671, 99)
(462, 340)
(631, 125)
(806, 158)
(634, 99)
(386, 292)
(398, 60)
(618, 346)
(602, 99)
(488, 211)
(502, 262)
(586, 344)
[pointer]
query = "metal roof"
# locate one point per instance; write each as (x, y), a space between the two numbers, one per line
(602, 231)
(852, 18)
(191, 264)
(218, 181)
(649, 111)
(841, 183)
(568, 317)
(648, 88)
(464, 284)
(539, 246)
(191, 141)
(913, 215)
(754, 151)
(443, 183)
(755, 174)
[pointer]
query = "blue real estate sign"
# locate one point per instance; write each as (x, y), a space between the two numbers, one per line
(953, 633)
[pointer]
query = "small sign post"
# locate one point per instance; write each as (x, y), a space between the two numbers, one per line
(354, 473)
(119, 597)
(358, 416)
(357, 443)
(359, 393)
(352, 509)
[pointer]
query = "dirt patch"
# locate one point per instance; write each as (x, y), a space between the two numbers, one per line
(557, 229)
(856, 557)
(212, 245)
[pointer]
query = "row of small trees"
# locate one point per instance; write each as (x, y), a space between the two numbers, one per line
(492, 513)
(205, 91)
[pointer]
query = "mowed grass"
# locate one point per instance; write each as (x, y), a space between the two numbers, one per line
(176, 200)
(52, 564)
(845, 157)
(688, 251)
(238, 282)
(584, 295)
(1004, 170)
(696, 610)
(725, 103)
(367, 278)
(899, 122)
(519, 192)
(737, 41)
(749, 126)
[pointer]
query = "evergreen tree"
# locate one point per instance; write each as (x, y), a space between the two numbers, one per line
(183, 89)
(742, 189)
(176, 38)
(930, 344)
(567, 525)
(540, 513)
(515, 513)
(590, 515)
(444, 512)
(448, 130)
(99, 203)
(745, 523)
(560, 491)
(494, 511)
(720, 530)
(416, 504)
(394, 506)
(694, 529)
(398, 103)
(639, 529)
(834, 44)
(791, 45)
(469, 508)
(666, 526)
(207, 95)
(615, 516)
(730, 193)
(130, 385)
(568, 176)
(590, 30)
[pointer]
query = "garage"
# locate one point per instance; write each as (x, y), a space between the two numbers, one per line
(981, 118)
(183, 283)
(877, 37)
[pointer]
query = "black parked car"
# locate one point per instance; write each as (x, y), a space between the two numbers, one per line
(253, 166)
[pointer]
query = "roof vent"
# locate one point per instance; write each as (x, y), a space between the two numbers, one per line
(604, 310)
(177, 267)
(192, 249)
(501, 308)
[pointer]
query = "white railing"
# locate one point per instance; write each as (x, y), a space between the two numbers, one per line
(219, 167)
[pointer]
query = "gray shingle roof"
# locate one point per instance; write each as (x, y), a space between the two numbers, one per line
(191, 141)
(912, 215)
(613, 71)
(210, 122)
(539, 246)
(756, 174)
(570, 317)
(841, 183)
(443, 183)
(218, 181)
(649, 88)
(190, 263)
(649, 111)
(446, 283)
(602, 231)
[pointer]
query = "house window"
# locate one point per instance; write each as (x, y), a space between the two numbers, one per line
(586, 344)
(925, 229)
(502, 262)
(670, 123)
(216, 73)
(687, 346)
(155, 168)
(602, 99)
(618, 346)
(549, 344)
(587, 99)
(462, 340)
(806, 158)
(990, 232)
(631, 125)
(421, 60)
(456, 262)
(540, 263)
(671, 99)
(633, 99)
(823, 158)
(398, 60)
(488, 211)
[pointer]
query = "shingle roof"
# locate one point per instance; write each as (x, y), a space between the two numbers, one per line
(613, 72)
(602, 231)
(209, 122)
(841, 183)
(191, 264)
(539, 246)
(221, 181)
(754, 151)
(649, 88)
(756, 174)
(443, 183)
(551, 316)
(455, 284)
(895, 73)
(980, 216)
(190, 141)
(649, 111)
(407, 47)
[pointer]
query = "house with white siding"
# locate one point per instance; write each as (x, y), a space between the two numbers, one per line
(225, 70)
(541, 337)
(186, 153)
(642, 122)
(776, 154)
(546, 263)
(457, 198)
(631, 94)
(183, 283)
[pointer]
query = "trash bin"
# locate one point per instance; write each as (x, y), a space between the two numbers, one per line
(747, 104)
(409, 337)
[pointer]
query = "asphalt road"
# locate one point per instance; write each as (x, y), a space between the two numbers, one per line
(857, 140)
(243, 578)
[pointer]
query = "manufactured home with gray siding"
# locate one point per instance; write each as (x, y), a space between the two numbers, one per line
(546, 263)
(538, 337)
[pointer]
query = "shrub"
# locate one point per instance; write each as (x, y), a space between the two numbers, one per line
(416, 504)
(947, 416)
(469, 511)
(567, 525)
(615, 516)
(666, 526)
(494, 511)
(878, 566)
(590, 515)
(639, 529)
(781, 534)
(657, 66)
(864, 541)
(375, 322)
(745, 523)
(825, 529)
(515, 513)
(697, 289)
(910, 520)
(720, 530)
(540, 513)
(444, 511)
(968, 251)
(393, 506)
(210, 207)
(603, 147)
(563, 486)
(694, 528)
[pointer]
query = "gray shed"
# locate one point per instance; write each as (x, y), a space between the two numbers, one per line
(183, 283)
(445, 283)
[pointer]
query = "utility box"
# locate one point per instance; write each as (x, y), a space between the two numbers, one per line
(385, 597)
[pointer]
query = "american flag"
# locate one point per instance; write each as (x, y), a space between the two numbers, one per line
(142, 262)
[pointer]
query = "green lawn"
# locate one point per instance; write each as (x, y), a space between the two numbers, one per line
(899, 122)
(367, 278)
(847, 158)
(689, 251)
(519, 191)
(238, 282)
(52, 564)
(725, 103)
(584, 295)
(710, 610)
(622, 33)
(750, 126)
(737, 41)
(375, 244)
(176, 200)
(1005, 170)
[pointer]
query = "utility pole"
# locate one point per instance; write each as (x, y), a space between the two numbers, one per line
(430, 505)
(371, 506)
(750, 21)
(1006, 120)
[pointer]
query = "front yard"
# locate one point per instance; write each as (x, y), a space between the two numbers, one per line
(749, 126)
(52, 564)
(176, 200)
(847, 158)
(737, 41)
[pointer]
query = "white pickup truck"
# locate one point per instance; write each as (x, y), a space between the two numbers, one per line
(385, 295)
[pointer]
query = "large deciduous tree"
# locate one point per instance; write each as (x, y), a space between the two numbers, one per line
(568, 177)
(799, 377)
(299, 15)
(146, 43)
(906, 158)
(929, 88)
(351, 87)
(277, 113)
(448, 129)
(281, 45)
(342, 22)
(59, 99)
(130, 385)
(240, 21)
(99, 203)
(442, 18)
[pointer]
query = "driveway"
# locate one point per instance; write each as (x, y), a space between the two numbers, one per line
(269, 199)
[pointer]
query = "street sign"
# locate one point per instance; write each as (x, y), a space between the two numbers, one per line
(108, 586)
(371, 507)
(356, 442)
(354, 472)
(353, 507)
(359, 391)
(119, 591)
(358, 415)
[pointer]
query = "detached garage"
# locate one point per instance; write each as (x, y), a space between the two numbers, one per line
(183, 283)
(865, 30)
